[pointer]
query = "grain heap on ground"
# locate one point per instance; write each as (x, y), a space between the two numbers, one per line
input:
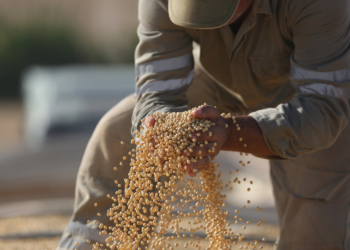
(143, 211)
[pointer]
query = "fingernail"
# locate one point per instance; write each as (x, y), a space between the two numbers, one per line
(199, 111)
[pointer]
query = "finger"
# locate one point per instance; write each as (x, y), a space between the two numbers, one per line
(202, 150)
(206, 112)
(150, 121)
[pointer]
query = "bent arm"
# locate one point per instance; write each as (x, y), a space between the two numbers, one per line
(164, 63)
(320, 73)
(247, 138)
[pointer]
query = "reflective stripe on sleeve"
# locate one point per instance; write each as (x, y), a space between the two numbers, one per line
(86, 232)
(164, 65)
(325, 89)
(160, 86)
(332, 76)
(68, 243)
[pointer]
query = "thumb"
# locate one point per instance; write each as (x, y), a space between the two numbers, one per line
(206, 112)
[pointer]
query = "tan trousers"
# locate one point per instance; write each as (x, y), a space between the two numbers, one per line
(312, 195)
(312, 192)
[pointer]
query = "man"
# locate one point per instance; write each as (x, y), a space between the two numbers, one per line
(283, 66)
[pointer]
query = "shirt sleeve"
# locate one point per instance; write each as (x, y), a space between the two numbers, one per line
(320, 74)
(164, 62)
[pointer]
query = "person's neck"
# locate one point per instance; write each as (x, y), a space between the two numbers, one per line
(242, 8)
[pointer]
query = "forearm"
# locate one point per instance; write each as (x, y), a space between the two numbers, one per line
(246, 137)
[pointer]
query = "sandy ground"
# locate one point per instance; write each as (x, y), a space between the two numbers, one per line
(30, 244)
(42, 233)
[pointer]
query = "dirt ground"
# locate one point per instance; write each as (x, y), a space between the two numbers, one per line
(48, 244)
(32, 232)
(30, 244)
(43, 233)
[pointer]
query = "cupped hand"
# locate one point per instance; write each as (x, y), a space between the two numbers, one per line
(211, 141)
(149, 122)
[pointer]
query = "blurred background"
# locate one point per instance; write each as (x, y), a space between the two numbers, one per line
(63, 64)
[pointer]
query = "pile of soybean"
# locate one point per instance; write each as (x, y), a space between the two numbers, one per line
(147, 211)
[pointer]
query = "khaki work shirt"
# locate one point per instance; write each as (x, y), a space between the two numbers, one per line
(288, 66)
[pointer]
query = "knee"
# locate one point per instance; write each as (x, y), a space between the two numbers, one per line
(116, 123)
(104, 150)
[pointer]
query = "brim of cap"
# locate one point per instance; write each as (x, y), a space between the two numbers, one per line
(202, 14)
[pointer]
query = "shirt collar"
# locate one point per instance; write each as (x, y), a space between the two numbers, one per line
(263, 7)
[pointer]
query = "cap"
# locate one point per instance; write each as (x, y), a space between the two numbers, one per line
(202, 14)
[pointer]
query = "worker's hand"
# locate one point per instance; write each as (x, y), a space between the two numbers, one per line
(149, 122)
(212, 141)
